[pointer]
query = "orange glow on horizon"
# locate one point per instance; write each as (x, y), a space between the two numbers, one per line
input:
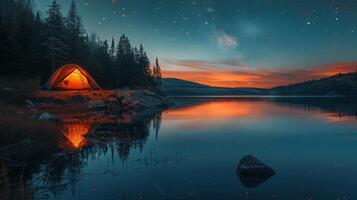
(256, 78)
(214, 109)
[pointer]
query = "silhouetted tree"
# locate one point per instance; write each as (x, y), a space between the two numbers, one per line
(75, 34)
(31, 46)
(56, 41)
(157, 73)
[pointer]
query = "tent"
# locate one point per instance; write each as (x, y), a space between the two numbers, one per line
(71, 77)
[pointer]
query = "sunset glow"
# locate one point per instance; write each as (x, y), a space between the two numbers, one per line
(251, 77)
(219, 109)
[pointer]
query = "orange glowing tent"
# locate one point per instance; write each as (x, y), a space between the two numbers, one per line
(71, 77)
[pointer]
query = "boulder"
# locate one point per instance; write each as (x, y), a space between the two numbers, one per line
(253, 172)
(98, 105)
(30, 103)
(112, 100)
(47, 116)
(78, 99)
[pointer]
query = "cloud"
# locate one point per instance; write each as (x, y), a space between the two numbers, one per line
(226, 41)
(204, 64)
(205, 72)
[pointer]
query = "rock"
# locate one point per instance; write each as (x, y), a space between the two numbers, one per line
(30, 103)
(8, 89)
(112, 99)
(78, 99)
(253, 172)
(20, 113)
(127, 100)
(47, 116)
(97, 105)
(115, 108)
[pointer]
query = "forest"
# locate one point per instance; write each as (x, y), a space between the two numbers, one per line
(34, 45)
(339, 84)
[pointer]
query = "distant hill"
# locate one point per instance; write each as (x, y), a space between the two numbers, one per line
(173, 86)
(341, 84)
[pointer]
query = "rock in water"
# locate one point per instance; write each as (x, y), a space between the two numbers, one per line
(253, 172)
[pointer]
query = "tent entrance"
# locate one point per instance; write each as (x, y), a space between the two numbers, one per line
(74, 81)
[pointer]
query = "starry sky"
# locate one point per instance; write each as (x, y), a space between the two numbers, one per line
(232, 43)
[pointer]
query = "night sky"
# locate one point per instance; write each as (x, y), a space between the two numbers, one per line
(233, 43)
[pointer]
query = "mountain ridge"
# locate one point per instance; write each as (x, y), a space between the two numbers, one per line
(174, 86)
(339, 84)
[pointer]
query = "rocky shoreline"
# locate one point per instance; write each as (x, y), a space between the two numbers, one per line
(96, 102)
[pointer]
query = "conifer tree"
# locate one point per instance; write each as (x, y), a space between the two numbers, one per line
(75, 33)
(112, 49)
(157, 73)
(125, 62)
(56, 45)
(31, 46)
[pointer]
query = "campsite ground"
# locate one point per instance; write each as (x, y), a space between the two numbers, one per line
(31, 119)
(23, 102)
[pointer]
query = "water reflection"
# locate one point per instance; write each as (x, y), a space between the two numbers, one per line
(334, 109)
(134, 147)
(74, 135)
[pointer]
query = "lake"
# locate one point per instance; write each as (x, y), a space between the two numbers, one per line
(192, 150)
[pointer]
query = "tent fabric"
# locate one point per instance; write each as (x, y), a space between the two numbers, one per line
(71, 77)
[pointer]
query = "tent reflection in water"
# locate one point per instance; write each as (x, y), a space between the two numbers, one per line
(71, 77)
(74, 135)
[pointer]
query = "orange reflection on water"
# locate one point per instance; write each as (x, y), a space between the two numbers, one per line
(216, 110)
(234, 109)
(74, 133)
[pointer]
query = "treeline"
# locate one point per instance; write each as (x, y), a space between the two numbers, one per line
(32, 45)
(340, 84)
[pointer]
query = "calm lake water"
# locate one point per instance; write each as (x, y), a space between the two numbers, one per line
(191, 151)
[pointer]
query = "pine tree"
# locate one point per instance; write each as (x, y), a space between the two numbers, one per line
(8, 44)
(8, 53)
(75, 33)
(106, 62)
(23, 34)
(125, 62)
(37, 49)
(143, 70)
(157, 74)
(112, 49)
(29, 45)
(56, 45)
